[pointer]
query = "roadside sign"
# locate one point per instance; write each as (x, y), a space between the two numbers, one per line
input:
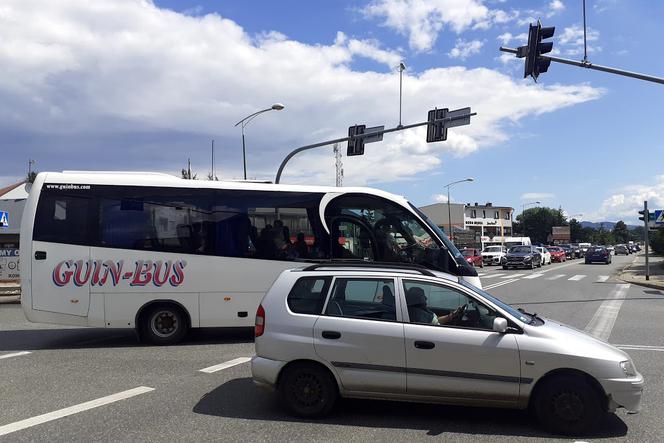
(4, 219)
(460, 121)
(374, 138)
(659, 217)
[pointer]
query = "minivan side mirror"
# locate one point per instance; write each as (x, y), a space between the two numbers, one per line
(499, 325)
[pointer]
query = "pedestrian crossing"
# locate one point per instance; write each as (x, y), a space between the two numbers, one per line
(570, 277)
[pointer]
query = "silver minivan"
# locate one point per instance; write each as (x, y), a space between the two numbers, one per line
(373, 331)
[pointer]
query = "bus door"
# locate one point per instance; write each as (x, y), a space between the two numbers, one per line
(61, 265)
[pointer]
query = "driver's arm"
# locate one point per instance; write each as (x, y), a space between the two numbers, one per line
(452, 316)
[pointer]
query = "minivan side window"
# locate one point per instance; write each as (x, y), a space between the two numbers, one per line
(428, 300)
(308, 295)
(368, 298)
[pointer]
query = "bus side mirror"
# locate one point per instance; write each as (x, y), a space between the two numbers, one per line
(499, 325)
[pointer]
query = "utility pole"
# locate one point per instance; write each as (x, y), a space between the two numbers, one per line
(338, 166)
(646, 217)
(402, 67)
(212, 160)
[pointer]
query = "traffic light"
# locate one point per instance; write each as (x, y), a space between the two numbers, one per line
(535, 63)
(644, 216)
(356, 145)
(437, 131)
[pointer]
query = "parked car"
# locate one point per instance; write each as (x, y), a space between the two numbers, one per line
(583, 248)
(522, 257)
(632, 249)
(598, 254)
(577, 250)
(611, 249)
(637, 247)
(557, 253)
(407, 333)
(545, 255)
(622, 249)
(493, 254)
(569, 252)
(473, 256)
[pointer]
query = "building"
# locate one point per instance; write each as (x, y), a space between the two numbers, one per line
(476, 224)
(12, 201)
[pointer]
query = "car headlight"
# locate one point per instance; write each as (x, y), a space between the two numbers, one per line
(527, 257)
(628, 368)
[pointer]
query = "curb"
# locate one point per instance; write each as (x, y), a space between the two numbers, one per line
(647, 284)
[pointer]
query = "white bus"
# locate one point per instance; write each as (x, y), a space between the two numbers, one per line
(163, 254)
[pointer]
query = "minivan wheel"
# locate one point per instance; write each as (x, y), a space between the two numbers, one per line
(568, 405)
(163, 325)
(307, 390)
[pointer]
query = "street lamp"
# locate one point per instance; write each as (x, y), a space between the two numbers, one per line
(523, 209)
(245, 121)
(449, 212)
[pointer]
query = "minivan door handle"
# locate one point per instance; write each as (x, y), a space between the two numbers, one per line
(40, 255)
(332, 335)
(424, 345)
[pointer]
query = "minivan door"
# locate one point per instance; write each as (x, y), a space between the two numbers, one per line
(463, 359)
(360, 335)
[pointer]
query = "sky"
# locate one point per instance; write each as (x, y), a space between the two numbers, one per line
(145, 85)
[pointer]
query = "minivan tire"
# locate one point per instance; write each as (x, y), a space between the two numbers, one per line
(308, 390)
(568, 405)
(163, 324)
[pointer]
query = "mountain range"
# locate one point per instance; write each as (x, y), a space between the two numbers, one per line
(607, 225)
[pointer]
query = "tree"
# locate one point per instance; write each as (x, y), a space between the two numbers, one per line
(575, 230)
(620, 232)
(657, 241)
(536, 223)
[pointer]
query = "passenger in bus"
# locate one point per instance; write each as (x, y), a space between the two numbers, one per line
(301, 246)
(266, 246)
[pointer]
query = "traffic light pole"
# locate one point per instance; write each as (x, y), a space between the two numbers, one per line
(359, 136)
(588, 65)
(645, 224)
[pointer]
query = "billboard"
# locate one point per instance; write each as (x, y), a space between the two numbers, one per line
(561, 234)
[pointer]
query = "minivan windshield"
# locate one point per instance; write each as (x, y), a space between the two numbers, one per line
(522, 316)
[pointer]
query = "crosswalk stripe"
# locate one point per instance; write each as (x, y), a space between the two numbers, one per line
(531, 276)
(602, 278)
(513, 275)
(481, 274)
(577, 277)
(493, 275)
(556, 277)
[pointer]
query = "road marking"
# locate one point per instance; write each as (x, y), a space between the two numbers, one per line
(493, 275)
(555, 277)
(506, 282)
(226, 365)
(481, 274)
(532, 276)
(513, 275)
(640, 348)
(44, 418)
(601, 324)
(603, 278)
(577, 277)
(15, 354)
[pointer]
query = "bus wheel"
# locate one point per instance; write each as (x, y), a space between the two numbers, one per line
(163, 324)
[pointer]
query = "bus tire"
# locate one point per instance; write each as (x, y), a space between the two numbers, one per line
(163, 324)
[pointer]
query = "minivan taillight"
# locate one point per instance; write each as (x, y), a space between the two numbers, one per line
(259, 327)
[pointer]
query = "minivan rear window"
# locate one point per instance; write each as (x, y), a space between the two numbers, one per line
(308, 295)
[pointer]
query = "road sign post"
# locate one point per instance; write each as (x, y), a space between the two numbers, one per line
(646, 221)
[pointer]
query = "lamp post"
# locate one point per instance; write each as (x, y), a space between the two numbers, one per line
(523, 208)
(245, 121)
(449, 212)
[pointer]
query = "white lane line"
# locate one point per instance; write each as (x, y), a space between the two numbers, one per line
(493, 275)
(602, 322)
(15, 354)
(226, 365)
(603, 278)
(481, 274)
(577, 277)
(513, 275)
(555, 277)
(27, 423)
(506, 282)
(532, 276)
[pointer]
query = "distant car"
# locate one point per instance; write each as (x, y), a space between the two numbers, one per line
(557, 253)
(611, 249)
(622, 250)
(576, 249)
(522, 257)
(598, 254)
(473, 256)
(583, 248)
(492, 255)
(631, 248)
(637, 247)
(569, 252)
(545, 255)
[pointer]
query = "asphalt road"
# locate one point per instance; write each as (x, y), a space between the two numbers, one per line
(157, 394)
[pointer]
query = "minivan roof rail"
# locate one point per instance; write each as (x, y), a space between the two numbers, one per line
(371, 265)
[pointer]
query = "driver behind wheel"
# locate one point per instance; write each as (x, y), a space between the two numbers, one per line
(419, 312)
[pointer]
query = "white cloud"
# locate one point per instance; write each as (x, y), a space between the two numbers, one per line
(464, 49)
(625, 204)
(537, 196)
(555, 7)
(571, 40)
(507, 37)
(441, 198)
(126, 85)
(602, 5)
(423, 20)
